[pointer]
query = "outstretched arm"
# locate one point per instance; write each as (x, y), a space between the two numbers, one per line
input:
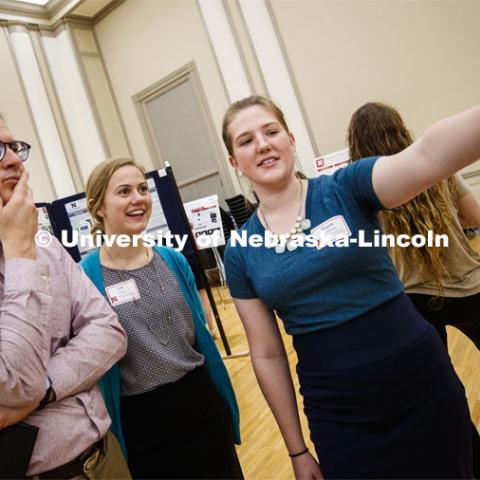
(271, 368)
(446, 147)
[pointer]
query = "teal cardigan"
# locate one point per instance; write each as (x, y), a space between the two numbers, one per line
(110, 382)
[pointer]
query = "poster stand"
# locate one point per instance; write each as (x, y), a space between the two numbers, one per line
(221, 273)
(218, 321)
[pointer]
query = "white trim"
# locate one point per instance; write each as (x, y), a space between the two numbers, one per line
(276, 75)
(225, 48)
(74, 102)
(42, 113)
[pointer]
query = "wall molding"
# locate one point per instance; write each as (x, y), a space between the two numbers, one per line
(186, 73)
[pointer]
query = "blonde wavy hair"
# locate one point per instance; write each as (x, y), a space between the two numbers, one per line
(378, 129)
(97, 184)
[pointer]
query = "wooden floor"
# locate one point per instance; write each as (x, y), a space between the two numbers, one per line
(262, 453)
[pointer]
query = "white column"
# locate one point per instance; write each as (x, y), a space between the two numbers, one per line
(42, 113)
(74, 102)
(277, 78)
(225, 48)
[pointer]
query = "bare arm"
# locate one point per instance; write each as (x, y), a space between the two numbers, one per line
(469, 211)
(271, 368)
(207, 308)
(446, 147)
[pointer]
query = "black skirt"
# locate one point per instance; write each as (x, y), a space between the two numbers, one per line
(180, 430)
(462, 313)
(382, 398)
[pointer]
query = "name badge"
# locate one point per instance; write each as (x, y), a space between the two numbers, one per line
(122, 292)
(328, 232)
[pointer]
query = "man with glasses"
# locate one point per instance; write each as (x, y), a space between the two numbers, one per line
(58, 336)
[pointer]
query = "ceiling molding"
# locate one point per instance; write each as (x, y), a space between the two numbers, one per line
(18, 9)
(54, 6)
(48, 16)
(78, 21)
(106, 10)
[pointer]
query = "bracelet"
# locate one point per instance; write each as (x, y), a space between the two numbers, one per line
(49, 397)
(293, 455)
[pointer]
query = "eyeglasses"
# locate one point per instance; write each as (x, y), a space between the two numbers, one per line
(22, 149)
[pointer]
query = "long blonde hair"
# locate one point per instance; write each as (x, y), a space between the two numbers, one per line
(378, 129)
(97, 184)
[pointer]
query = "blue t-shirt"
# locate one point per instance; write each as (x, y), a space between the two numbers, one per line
(313, 288)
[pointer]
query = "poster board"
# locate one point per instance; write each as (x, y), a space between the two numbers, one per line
(205, 220)
(71, 215)
(158, 222)
(45, 218)
(328, 164)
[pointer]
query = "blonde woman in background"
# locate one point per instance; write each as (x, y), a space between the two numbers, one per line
(442, 282)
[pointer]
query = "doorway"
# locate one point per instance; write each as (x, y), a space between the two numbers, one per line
(180, 131)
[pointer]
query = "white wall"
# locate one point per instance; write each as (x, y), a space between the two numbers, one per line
(423, 57)
(144, 41)
(15, 107)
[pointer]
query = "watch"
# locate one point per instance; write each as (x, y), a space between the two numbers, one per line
(49, 397)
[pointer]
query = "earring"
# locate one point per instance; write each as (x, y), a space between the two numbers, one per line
(239, 173)
(297, 160)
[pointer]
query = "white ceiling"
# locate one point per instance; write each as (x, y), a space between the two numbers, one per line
(33, 2)
(52, 10)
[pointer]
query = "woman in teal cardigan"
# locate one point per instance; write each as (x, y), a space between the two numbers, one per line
(171, 401)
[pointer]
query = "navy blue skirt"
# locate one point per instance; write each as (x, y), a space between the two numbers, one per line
(382, 398)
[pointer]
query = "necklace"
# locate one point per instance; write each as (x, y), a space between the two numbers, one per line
(295, 236)
(126, 275)
(118, 267)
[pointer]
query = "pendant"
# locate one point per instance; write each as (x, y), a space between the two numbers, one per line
(270, 244)
(291, 246)
(292, 240)
(305, 224)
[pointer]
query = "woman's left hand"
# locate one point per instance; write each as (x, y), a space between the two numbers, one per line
(305, 467)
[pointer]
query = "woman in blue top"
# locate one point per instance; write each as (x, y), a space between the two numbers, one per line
(380, 394)
(170, 397)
